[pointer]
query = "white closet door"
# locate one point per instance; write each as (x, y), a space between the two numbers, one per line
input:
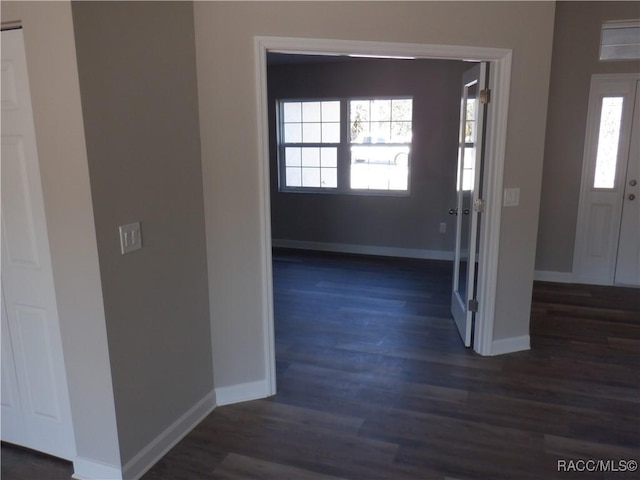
(30, 327)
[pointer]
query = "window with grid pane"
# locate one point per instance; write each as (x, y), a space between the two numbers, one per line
(380, 143)
(309, 139)
(345, 145)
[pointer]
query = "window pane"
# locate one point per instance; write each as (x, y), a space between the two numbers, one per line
(310, 157)
(360, 132)
(292, 112)
(310, 177)
(311, 112)
(381, 132)
(331, 111)
(398, 179)
(294, 178)
(329, 157)
(467, 180)
(381, 120)
(330, 133)
(311, 133)
(470, 132)
(292, 156)
(469, 159)
(379, 167)
(381, 110)
(402, 109)
(471, 109)
(292, 133)
(401, 132)
(359, 113)
(608, 137)
(359, 110)
(329, 177)
(359, 176)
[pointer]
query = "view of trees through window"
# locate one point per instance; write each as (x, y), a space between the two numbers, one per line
(608, 141)
(378, 135)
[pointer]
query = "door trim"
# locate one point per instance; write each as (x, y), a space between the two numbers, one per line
(495, 146)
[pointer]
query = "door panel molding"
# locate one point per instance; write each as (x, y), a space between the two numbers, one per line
(18, 222)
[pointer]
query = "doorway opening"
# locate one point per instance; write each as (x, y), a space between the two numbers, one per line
(500, 64)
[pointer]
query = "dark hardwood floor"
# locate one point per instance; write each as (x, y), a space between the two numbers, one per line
(374, 383)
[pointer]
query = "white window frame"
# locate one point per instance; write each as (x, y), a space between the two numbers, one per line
(283, 146)
(344, 150)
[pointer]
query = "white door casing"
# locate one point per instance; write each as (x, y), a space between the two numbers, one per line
(598, 231)
(30, 324)
(495, 147)
(468, 180)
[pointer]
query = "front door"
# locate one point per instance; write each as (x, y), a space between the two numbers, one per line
(607, 248)
(468, 184)
(628, 258)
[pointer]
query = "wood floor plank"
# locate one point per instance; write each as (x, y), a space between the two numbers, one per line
(240, 467)
(374, 383)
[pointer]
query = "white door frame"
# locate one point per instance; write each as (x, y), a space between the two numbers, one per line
(599, 268)
(499, 83)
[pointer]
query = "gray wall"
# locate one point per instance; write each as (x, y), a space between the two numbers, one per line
(225, 33)
(136, 63)
(575, 59)
(391, 221)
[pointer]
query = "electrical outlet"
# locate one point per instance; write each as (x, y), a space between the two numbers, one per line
(443, 227)
(130, 237)
(511, 197)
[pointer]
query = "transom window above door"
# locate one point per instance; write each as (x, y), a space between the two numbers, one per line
(319, 150)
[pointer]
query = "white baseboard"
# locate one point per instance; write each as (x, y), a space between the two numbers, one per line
(510, 345)
(550, 276)
(242, 392)
(87, 469)
(365, 249)
(156, 449)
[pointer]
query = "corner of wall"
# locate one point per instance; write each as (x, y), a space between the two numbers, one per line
(503, 346)
(159, 446)
(551, 276)
(242, 392)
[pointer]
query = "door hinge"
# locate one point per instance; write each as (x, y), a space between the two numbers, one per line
(473, 305)
(478, 205)
(485, 96)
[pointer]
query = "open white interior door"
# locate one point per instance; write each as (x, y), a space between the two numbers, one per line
(468, 206)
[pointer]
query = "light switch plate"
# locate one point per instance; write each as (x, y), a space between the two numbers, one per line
(511, 197)
(130, 237)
